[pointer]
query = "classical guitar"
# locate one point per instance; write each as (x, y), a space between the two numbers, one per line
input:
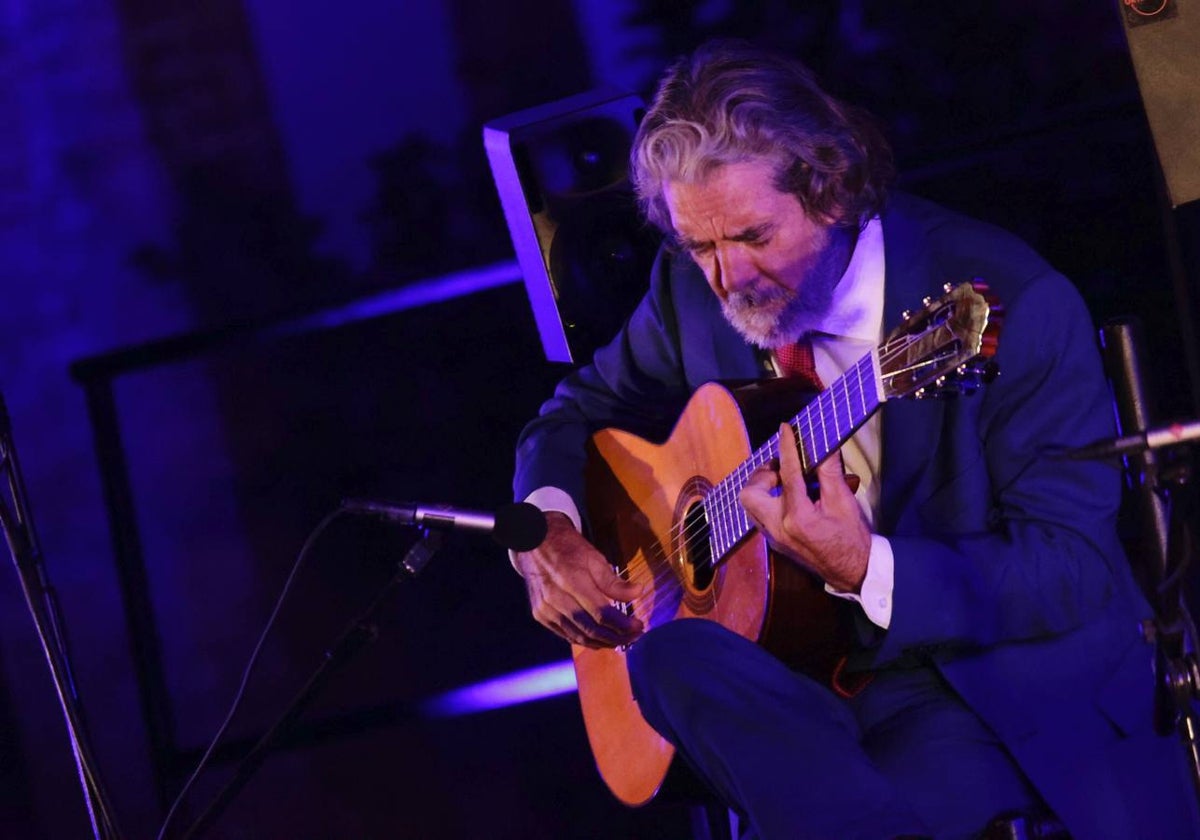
(669, 512)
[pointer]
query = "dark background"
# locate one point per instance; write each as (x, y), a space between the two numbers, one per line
(170, 167)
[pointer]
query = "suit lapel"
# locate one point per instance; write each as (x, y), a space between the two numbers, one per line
(719, 352)
(910, 428)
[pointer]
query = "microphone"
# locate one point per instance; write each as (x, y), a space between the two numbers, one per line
(1172, 435)
(519, 526)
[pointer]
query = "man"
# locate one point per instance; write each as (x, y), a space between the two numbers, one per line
(996, 614)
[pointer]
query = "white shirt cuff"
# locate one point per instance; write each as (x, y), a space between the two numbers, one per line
(877, 586)
(548, 499)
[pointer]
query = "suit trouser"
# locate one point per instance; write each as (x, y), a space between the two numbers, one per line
(904, 756)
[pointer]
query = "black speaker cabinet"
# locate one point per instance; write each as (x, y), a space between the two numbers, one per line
(562, 174)
(1164, 41)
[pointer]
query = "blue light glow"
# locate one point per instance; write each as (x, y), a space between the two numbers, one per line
(420, 293)
(501, 692)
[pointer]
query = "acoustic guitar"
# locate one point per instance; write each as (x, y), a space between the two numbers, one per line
(669, 512)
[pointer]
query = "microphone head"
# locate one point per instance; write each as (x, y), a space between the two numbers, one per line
(519, 526)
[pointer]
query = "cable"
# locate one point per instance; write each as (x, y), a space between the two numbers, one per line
(17, 526)
(241, 692)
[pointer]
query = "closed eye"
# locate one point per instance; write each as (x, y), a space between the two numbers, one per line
(758, 235)
(693, 247)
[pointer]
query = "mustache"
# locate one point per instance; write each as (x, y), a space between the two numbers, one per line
(762, 298)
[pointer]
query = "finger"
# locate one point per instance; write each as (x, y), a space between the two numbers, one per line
(614, 587)
(765, 473)
(790, 467)
(617, 588)
(602, 615)
(831, 477)
(760, 494)
(574, 635)
(759, 486)
(576, 611)
(579, 628)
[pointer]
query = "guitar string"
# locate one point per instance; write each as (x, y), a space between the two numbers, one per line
(662, 570)
(718, 501)
(722, 501)
(687, 538)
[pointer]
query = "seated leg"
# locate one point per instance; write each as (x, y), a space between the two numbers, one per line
(779, 748)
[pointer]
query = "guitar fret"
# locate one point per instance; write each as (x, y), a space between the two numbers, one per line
(727, 517)
(833, 413)
(862, 392)
(810, 450)
(820, 427)
(824, 431)
(714, 526)
(848, 416)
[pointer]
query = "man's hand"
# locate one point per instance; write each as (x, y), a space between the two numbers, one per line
(829, 536)
(572, 586)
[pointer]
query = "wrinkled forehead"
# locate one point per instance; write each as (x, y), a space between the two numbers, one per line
(733, 198)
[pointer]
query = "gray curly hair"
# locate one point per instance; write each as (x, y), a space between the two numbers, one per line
(730, 102)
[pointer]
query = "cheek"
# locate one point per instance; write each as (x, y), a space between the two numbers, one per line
(708, 265)
(787, 270)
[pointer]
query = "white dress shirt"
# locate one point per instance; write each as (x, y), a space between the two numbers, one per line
(853, 326)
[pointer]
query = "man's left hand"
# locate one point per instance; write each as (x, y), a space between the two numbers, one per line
(829, 536)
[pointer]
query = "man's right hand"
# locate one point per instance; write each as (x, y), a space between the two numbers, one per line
(572, 586)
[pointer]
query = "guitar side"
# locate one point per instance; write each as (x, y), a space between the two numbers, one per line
(640, 495)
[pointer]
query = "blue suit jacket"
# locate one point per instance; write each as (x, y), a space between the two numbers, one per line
(1009, 577)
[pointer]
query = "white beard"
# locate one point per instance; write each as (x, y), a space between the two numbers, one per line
(774, 316)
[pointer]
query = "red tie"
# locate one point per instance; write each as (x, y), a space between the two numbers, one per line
(796, 360)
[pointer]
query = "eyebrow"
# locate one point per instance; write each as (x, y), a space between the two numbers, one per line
(750, 234)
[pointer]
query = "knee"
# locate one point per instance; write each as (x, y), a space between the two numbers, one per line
(664, 669)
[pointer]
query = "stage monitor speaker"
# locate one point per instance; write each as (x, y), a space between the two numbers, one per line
(1164, 42)
(562, 173)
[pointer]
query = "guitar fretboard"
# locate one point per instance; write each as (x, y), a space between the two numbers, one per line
(820, 427)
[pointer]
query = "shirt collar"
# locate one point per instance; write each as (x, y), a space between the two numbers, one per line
(857, 309)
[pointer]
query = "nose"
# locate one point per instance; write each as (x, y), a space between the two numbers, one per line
(735, 269)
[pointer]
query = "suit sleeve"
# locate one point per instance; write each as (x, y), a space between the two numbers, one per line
(635, 383)
(1016, 544)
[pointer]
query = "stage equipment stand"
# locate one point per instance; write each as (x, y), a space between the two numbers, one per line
(357, 635)
(42, 603)
(1166, 510)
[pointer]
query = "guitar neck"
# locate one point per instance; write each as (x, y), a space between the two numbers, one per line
(820, 427)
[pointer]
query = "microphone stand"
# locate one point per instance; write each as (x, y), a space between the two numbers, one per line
(1175, 656)
(42, 604)
(357, 635)
(1166, 509)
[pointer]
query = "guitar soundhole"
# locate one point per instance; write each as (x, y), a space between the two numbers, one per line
(697, 553)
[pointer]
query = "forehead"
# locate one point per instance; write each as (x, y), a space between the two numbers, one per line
(728, 200)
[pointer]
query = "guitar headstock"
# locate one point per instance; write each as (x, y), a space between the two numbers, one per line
(946, 347)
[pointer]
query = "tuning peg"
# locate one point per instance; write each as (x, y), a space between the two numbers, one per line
(947, 287)
(920, 394)
(980, 371)
(927, 301)
(906, 314)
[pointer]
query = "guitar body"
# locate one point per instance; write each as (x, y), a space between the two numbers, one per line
(640, 496)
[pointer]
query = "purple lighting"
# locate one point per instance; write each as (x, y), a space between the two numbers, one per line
(510, 690)
(420, 293)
